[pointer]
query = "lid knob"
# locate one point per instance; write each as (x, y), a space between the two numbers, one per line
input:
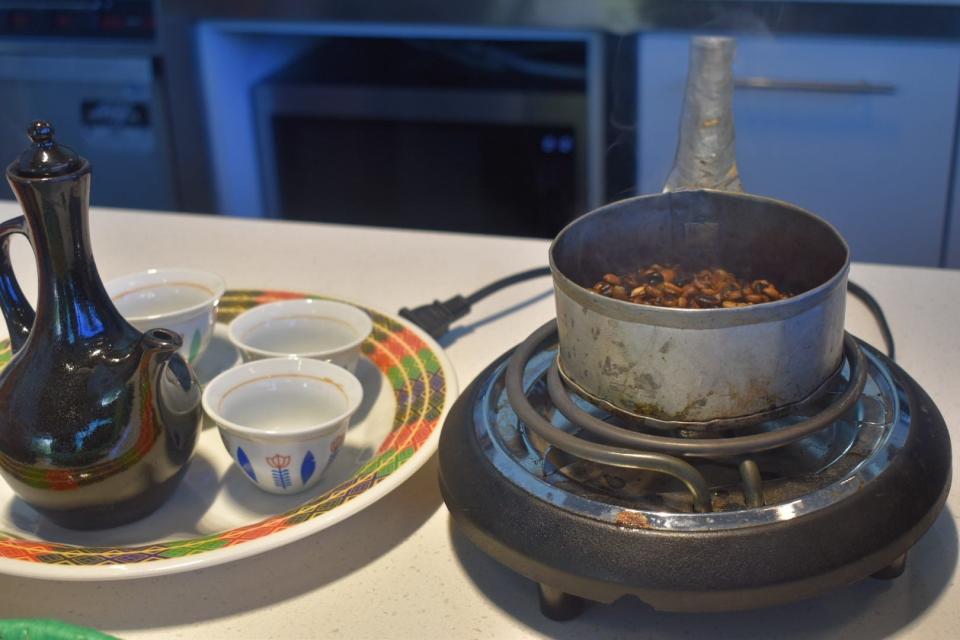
(41, 133)
(46, 158)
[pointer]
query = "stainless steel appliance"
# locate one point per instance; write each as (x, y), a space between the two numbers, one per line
(110, 105)
(92, 68)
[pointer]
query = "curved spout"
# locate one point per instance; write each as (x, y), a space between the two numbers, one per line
(162, 341)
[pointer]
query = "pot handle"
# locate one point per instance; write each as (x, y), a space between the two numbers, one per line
(16, 310)
(706, 155)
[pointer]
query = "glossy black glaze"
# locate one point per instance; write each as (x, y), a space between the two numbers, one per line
(97, 421)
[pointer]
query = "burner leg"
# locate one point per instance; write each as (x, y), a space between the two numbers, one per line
(893, 570)
(557, 605)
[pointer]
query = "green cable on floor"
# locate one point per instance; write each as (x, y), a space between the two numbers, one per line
(41, 629)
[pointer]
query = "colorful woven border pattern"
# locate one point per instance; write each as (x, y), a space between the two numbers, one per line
(418, 383)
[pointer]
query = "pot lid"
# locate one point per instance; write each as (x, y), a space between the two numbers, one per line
(45, 158)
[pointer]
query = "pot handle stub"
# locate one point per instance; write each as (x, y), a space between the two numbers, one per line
(706, 154)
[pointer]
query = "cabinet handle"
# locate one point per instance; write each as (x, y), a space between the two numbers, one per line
(772, 84)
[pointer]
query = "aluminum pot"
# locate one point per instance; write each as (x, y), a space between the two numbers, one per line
(702, 368)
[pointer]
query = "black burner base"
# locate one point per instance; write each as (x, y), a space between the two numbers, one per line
(577, 557)
(562, 607)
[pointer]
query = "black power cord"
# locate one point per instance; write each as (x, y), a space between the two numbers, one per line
(435, 318)
(864, 296)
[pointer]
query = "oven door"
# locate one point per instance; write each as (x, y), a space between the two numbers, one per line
(493, 161)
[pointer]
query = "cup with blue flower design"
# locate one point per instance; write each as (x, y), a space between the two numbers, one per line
(283, 420)
(180, 300)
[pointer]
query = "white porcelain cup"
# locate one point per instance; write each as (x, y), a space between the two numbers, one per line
(283, 419)
(180, 300)
(318, 329)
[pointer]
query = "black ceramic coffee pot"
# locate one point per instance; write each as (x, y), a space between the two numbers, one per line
(97, 420)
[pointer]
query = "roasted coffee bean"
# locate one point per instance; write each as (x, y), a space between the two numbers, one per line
(671, 286)
(759, 285)
(732, 292)
(706, 301)
(630, 281)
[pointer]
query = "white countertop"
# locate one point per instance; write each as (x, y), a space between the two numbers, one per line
(400, 569)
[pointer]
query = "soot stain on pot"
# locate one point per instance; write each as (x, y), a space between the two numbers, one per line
(611, 370)
(657, 412)
(756, 389)
(646, 382)
(648, 409)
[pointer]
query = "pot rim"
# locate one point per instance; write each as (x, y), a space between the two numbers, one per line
(698, 318)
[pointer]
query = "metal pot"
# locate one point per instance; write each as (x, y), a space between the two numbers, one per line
(702, 367)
